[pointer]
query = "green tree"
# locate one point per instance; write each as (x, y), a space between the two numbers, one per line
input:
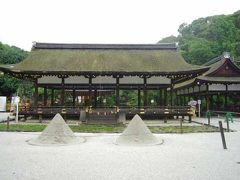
(206, 38)
(10, 55)
(169, 39)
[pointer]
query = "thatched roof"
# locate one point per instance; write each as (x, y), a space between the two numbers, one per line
(215, 74)
(154, 58)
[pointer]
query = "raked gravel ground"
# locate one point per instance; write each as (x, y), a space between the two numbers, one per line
(197, 156)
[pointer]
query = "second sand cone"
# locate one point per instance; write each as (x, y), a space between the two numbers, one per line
(137, 133)
(56, 133)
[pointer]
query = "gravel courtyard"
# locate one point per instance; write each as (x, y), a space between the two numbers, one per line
(197, 156)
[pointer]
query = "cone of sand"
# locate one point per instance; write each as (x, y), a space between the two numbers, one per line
(137, 133)
(56, 133)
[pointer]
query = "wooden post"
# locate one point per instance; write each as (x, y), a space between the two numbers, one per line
(165, 97)
(74, 97)
(177, 99)
(45, 96)
(189, 98)
(95, 97)
(62, 92)
(36, 93)
(207, 102)
(117, 92)
(181, 128)
(52, 97)
(226, 98)
(222, 135)
(139, 97)
(171, 94)
(145, 103)
(218, 101)
(160, 97)
(90, 91)
(207, 99)
(211, 102)
(185, 99)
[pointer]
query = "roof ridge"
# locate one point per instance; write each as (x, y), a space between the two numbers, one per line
(39, 45)
(213, 60)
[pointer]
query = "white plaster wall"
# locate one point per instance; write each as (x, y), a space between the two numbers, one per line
(234, 87)
(76, 80)
(49, 80)
(217, 87)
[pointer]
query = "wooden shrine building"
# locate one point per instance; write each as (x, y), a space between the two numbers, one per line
(218, 88)
(104, 67)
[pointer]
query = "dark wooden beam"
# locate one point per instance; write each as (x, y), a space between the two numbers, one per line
(139, 97)
(226, 97)
(145, 103)
(90, 91)
(160, 98)
(95, 97)
(36, 93)
(45, 96)
(62, 91)
(207, 98)
(165, 97)
(74, 97)
(52, 97)
(171, 94)
(117, 91)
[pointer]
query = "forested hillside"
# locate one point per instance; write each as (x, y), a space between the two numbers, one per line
(10, 55)
(208, 37)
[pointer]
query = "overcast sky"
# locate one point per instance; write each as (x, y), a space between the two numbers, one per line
(101, 21)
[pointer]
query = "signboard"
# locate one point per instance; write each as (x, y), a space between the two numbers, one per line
(3, 103)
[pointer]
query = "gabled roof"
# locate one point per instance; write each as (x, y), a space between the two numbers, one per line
(222, 70)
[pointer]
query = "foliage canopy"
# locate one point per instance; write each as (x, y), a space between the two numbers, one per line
(206, 38)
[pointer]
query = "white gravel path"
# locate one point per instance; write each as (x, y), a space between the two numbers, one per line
(181, 157)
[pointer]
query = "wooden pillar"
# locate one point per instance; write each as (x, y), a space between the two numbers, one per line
(184, 100)
(207, 102)
(145, 91)
(52, 97)
(181, 100)
(160, 99)
(62, 92)
(207, 98)
(74, 97)
(36, 93)
(165, 97)
(171, 94)
(177, 99)
(117, 91)
(226, 98)
(189, 97)
(45, 96)
(139, 97)
(90, 91)
(95, 97)
(218, 102)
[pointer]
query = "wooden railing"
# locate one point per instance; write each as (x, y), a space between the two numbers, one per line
(157, 111)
